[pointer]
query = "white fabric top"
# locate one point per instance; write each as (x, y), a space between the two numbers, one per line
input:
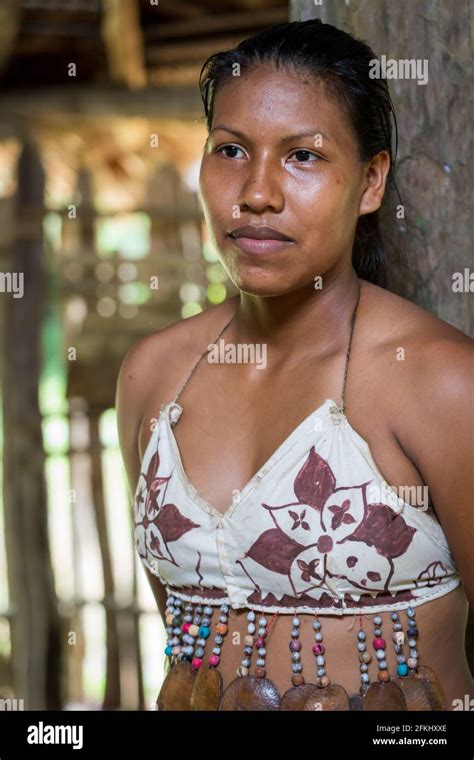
(316, 529)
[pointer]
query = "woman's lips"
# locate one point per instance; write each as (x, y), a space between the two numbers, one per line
(253, 245)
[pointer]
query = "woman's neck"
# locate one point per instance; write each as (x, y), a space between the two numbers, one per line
(304, 319)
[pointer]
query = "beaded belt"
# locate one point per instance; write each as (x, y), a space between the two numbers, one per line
(193, 683)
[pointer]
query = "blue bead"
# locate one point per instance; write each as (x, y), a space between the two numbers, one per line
(365, 678)
(168, 651)
(411, 612)
(378, 620)
(394, 615)
(402, 669)
(382, 664)
(361, 636)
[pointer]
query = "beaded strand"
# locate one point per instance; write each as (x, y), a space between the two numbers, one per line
(318, 650)
(364, 658)
(297, 677)
(221, 629)
(379, 645)
(173, 619)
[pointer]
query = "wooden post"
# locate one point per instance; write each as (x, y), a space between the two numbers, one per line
(36, 637)
(112, 697)
(434, 121)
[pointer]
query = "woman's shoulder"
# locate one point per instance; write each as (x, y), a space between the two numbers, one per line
(158, 360)
(397, 316)
(435, 358)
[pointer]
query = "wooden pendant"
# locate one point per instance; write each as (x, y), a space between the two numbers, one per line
(250, 693)
(207, 689)
(176, 690)
(384, 696)
(429, 681)
(295, 697)
(356, 702)
(328, 699)
(415, 694)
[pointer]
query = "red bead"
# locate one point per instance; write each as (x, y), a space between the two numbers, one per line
(318, 649)
(196, 663)
(260, 642)
(379, 643)
(185, 627)
(214, 660)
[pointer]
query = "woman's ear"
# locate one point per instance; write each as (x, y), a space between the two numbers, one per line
(375, 179)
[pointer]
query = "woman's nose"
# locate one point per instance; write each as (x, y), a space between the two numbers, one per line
(262, 188)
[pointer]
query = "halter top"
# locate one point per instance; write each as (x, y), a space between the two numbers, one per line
(316, 529)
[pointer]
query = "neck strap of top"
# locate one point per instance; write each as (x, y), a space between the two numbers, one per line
(204, 353)
(346, 367)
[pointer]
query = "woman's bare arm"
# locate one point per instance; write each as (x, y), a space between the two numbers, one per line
(133, 386)
(439, 438)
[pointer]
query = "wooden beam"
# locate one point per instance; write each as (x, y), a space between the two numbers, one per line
(124, 42)
(184, 103)
(180, 8)
(195, 50)
(222, 22)
(9, 26)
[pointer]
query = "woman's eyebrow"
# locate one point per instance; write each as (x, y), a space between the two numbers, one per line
(289, 138)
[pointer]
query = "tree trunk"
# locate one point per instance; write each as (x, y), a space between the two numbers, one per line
(435, 130)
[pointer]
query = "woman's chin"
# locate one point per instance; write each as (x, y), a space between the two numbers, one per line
(262, 286)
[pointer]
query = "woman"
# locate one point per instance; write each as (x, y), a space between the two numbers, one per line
(309, 517)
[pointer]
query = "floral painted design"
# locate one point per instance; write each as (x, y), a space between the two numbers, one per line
(157, 522)
(330, 533)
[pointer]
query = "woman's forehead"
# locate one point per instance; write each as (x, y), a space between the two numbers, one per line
(276, 105)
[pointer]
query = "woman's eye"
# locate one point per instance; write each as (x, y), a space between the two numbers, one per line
(304, 156)
(228, 147)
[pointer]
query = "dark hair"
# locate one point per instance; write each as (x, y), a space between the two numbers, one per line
(343, 64)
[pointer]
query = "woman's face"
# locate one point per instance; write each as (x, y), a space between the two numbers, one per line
(282, 154)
